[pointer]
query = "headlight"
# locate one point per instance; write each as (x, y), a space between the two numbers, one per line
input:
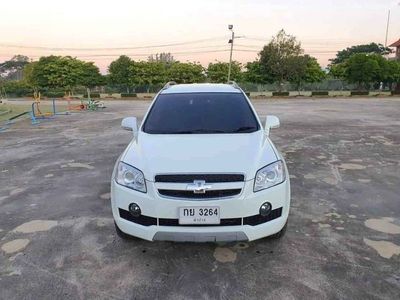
(130, 177)
(269, 176)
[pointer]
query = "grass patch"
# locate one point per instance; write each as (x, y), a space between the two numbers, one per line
(9, 110)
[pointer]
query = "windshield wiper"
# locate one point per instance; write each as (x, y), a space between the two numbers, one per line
(208, 131)
(179, 132)
(245, 129)
(194, 131)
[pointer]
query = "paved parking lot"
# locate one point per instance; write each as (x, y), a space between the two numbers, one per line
(57, 237)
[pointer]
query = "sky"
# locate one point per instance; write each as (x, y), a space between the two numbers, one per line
(100, 31)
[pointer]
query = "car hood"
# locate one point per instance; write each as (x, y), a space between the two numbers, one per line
(200, 153)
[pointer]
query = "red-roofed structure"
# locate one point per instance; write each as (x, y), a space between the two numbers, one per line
(397, 45)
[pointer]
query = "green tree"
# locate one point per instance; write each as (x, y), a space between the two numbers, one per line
(186, 72)
(304, 69)
(365, 69)
(392, 74)
(314, 72)
(254, 73)
(276, 57)
(27, 74)
(338, 70)
(56, 72)
(90, 76)
(218, 72)
(381, 74)
(362, 69)
(15, 88)
(371, 48)
(13, 69)
(121, 72)
(149, 73)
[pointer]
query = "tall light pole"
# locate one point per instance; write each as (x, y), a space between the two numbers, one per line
(387, 25)
(387, 28)
(230, 27)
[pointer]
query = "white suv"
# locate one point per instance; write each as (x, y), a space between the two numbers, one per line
(200, 168)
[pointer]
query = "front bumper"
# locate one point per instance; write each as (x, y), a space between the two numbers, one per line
(240, 219)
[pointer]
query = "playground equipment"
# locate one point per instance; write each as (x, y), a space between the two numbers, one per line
(74, 107)
(87, 104)
(94, 104)
(37, 112)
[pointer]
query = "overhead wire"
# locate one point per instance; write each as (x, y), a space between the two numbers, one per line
(214, 46)
(5, 45)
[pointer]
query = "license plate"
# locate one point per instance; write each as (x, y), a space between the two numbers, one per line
(199, 215)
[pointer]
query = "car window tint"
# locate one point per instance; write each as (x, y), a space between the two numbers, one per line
(196, 113)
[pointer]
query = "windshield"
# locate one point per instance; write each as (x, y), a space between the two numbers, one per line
(200, 113)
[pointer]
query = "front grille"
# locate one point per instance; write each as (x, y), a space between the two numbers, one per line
(209, 178)
(251, 220)
(207, 194)
(224, 222)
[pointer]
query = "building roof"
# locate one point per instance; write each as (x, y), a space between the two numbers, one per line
(200, 88)
(395, 44)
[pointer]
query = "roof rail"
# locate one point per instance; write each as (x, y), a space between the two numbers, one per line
(234, 84)
(168, 84)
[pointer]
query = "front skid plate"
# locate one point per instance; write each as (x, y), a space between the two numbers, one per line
(200, 237)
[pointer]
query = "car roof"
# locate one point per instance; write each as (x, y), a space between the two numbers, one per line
(200, 88)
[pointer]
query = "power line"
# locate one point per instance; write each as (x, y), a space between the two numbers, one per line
(260, 47)
(197, 49)
(207, 49)
(314, 42)
(110, 48)
(265, 39)
(147, 54)
(215, 49)
(246, 37)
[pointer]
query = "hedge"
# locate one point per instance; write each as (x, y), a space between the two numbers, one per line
(280, 94)
(16, 88)
(320, 93)
(130, 95)
(54, 94)
(92, 95)
(359, 93)
(397, 93)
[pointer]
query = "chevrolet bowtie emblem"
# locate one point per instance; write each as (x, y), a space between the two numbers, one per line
(198, 187)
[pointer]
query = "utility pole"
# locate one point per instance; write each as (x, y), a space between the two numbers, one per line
(387, 27)
(230, 27)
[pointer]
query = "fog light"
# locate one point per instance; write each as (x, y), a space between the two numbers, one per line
(134, 209)
(265, 209)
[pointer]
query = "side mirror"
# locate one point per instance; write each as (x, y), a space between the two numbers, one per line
(271, 122)
(130, 124)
